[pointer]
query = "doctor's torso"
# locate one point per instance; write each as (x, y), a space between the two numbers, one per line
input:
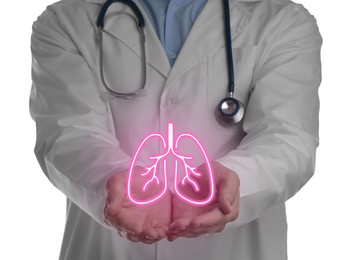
(186, 94)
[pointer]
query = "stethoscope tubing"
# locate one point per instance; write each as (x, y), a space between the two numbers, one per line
(229, 111)
(131, 4)
(231, 87)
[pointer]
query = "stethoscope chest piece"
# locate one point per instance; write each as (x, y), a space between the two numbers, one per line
(230, 111)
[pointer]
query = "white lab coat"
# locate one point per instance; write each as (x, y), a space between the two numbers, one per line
(83, 137)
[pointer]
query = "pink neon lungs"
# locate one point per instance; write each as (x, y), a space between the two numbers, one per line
(147, 186)
(193, 185)
(190, 184)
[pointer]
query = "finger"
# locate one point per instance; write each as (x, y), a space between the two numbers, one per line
(110, 211)
(212, 218)
(187, 233)
(178, 225)
(132, 226)
(148, 240)
(112, 207)
(217, 228)
(235, 208)
(202, 230)
(228, 189)
(132, 237)
(161, 232)
(172, 237)
(115, 196)
(150, 233)
(122, 233)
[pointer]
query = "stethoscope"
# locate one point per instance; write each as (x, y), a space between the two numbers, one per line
(229, 111)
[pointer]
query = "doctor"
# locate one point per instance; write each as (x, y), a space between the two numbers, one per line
(86, 137)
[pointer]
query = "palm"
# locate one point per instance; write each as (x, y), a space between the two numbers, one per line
(150, 220)
(192, 221)
(155, 216)
(184, 212)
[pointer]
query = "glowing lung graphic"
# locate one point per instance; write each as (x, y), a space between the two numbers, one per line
(184, 172)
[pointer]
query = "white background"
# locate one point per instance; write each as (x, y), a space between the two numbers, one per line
(33, 211)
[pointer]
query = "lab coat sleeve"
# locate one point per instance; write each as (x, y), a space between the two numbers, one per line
(76, 145)
(277, 156)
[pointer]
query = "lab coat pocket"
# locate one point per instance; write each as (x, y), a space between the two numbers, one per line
(218, 80)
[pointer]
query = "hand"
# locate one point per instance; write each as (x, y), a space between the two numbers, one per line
(193, 221)
(138, 223)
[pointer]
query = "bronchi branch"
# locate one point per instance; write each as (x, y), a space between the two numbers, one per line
(153, 170)
(189, 170)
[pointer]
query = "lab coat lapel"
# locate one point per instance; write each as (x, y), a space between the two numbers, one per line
(120, 23)
(208, 35)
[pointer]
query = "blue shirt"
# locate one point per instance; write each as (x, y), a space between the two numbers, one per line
(172, 21)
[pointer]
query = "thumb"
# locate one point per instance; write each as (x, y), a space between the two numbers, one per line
(115, 195)
(227, 193)
(112, 206)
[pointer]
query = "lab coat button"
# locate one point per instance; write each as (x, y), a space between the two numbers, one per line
(169, 102)
(174, 7)
(172, 55)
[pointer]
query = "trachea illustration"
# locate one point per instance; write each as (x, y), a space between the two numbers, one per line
(184, 173)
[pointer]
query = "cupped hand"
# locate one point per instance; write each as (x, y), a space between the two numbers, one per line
(138, 223)
(193, 221)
